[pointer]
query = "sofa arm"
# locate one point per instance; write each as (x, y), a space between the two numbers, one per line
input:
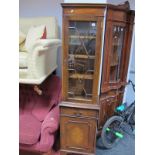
(49, 126)
(45, 43)
(42, 59)
(51, 121)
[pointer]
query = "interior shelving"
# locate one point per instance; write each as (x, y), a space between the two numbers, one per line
(82, 56)
(82, 37)
(81, 76)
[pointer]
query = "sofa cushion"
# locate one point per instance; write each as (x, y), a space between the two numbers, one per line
(35, 33)
(29, 129)
(23, 59)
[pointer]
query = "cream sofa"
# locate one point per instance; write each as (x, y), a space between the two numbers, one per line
(41, 60)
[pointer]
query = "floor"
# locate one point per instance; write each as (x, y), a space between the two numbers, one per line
(125, 147)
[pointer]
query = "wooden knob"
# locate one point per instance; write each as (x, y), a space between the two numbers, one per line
(72, 11)
(38, 90)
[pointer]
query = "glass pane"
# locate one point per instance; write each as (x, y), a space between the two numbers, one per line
(81, 58)
(116, 53)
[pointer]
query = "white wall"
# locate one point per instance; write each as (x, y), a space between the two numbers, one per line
(85, 1)
(132, 3)
(28, 8)
(35, 8)
(129, 94)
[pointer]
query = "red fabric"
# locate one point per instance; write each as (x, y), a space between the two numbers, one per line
(29, 129)
(51, 91)
(39, 115)
(51, 121)
(44, 34)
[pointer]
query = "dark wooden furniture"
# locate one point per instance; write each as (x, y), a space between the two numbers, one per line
(96, 50)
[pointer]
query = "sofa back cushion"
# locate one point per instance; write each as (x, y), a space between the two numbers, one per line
(50, 23)
(35, 33)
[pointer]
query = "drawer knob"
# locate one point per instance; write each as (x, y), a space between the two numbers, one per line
(78, 114)
(72, 11)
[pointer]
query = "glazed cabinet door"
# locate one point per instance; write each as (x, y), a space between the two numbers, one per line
(78, 134)
(118, 36)
(81, 58)
(114, 54)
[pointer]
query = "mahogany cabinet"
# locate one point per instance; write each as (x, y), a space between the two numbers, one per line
(96, 51)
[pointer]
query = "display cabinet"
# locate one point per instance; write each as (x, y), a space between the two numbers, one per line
(96, 50)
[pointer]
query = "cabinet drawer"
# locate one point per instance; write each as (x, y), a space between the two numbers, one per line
(76, 112)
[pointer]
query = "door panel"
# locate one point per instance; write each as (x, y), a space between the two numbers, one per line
(78, 134)
(114, 53)
(81, 58)
(107, 109)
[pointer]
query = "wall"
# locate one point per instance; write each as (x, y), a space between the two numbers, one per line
(85, 1)
(129, 94)
(132, 3)
(34, 8)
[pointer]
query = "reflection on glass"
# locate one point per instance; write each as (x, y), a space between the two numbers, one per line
(115, 59)
(81, 58)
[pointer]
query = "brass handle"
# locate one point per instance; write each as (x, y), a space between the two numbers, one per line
(108, 100)
(72, 11)
(78, 114)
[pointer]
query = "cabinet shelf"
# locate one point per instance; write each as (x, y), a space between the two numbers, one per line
(82, 37)
(116, 44)
(114, 64)
(82, 56)
(74, 43)
(79, 98)
(81, 76)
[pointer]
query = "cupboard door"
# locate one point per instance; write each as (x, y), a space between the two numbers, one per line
(120, 98)
(78, 134)
(107, 109)
(102, 114)
(81, 59)
(114, 54)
